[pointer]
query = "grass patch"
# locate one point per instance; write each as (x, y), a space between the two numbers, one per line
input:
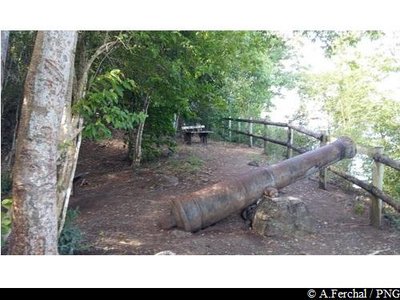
(359, 208)
(190, 164)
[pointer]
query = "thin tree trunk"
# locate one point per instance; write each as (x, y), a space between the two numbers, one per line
(34, 229)
(137, 158)
(73, 126)
(85, 74)
(67, 151)
(62, 212)
(4, 48)
(131, 147)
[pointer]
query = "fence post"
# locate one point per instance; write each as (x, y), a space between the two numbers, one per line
(230, 129)
(265, 135)
(322, 172)
(250, 132)
(289, 150)
(377, 181)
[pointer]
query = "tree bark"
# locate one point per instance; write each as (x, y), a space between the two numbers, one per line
(4, 48)
(137, 156)
(34, 229)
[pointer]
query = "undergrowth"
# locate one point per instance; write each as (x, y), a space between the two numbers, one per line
(71, 238)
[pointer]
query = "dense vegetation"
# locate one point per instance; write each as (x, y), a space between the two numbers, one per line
(166, 78)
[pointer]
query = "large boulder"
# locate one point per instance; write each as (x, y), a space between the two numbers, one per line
(282, 216)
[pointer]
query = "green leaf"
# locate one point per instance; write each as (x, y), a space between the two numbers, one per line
(6, 203)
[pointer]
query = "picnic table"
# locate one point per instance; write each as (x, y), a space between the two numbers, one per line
(189, 131)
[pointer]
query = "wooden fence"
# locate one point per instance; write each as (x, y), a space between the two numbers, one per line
(379, 158)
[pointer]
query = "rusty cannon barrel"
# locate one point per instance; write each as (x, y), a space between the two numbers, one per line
(207, 206)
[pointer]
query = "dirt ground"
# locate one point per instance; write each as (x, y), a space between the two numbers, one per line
(120, 210)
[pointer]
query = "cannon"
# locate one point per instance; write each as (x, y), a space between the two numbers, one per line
(209, 205)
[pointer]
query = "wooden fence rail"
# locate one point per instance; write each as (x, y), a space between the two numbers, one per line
(368, 187)
(386, 160)
(258, 121)
(317, 135)
(380, 159)
(267, 139)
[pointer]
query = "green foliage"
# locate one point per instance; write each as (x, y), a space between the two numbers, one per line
(359, 208)
(197, 76)
(391, 182)
(305, 142)
(154, 148)
(274, 151)
(104, 107)
(6, 219)
(71, 238)
(393, 218)
(352, 96)
(159, 133)
(18, 57)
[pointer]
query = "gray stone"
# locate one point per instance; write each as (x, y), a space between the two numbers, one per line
(168, 180)
(167, 152)
(254, 163)
(166, 252)
(181, 234)
(282, 216)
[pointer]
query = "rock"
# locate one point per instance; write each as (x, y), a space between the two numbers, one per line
(283, 216)
(167, 252)
(168, 180)
(167, 152)
(271, 192)
(181, 234)
(254, 163)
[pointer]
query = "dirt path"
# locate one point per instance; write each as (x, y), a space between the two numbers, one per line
(120, 210)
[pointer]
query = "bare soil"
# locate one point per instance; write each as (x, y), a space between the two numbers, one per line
(120, 210)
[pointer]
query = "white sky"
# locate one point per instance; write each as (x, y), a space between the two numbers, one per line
(309, 55)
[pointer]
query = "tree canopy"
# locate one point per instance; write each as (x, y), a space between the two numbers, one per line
(197, 76)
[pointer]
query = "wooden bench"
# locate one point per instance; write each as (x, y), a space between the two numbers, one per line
(189, 131)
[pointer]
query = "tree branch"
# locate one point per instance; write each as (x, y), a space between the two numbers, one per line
(83, 81)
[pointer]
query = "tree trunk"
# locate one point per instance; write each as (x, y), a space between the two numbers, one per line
(47, 87)
(137, 156)
(72, 130)
(4, 48)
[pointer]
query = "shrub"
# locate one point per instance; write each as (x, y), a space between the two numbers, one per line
(71, 237)
(6, 220)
